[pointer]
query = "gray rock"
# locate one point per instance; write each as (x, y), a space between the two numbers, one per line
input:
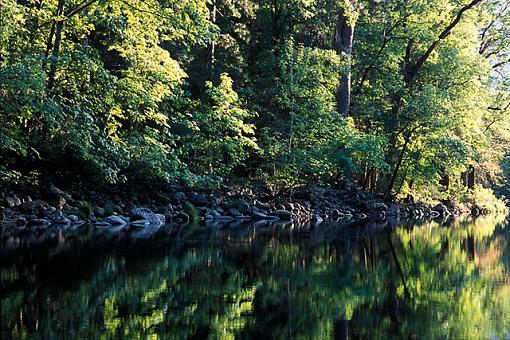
(148, 215)
(73, 218)
(99, 212)
(49, 211)
(241, 205)
(360, 216)
(62, 221)
(38, 223)
(393, 210)
(179, 196)
(31, 217)
(182, 217)
(12, 201)
(262, 205)
(115, 220)
(258, 215)
(199, 200)
(21, 221)
(223, 218)
(282, 214)
(242, 218)
(234, 212)
(441, 209)
(214, 212)
(33, 205)
(316, 220)
(140, 223)
(101, 224)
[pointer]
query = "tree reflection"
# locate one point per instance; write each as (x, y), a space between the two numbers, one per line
(428, 281)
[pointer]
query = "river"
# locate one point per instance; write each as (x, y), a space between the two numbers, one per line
(419, 280)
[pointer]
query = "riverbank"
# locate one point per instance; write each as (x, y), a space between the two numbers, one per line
(26, 209)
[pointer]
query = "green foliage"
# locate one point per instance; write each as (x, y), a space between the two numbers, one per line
(220, 138)
(197, 93)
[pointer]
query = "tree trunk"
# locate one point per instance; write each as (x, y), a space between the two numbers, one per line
(397, 167)
(471, 177)
(59, 26)
(213, 43)
(344, 37)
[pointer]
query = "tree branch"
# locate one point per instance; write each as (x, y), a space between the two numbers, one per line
(413, 68)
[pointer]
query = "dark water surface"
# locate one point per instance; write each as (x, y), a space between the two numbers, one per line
(421, 281)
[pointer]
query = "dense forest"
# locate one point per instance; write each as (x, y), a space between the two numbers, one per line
(401, 98)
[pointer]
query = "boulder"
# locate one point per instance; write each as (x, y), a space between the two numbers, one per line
(441, 209)
(262, 205)
(148, 215)
(38, 223)
(101, 224)
(140, 223)
(34, 205)
(282, 214)
(393, 210)
(179, 196)
(234, 212)
(73, 218)
(223, 219)
(115, 220)
(241, 205)
(316, 220)
(99, 212)
(12, 201)
(259, 216)
(199, 200)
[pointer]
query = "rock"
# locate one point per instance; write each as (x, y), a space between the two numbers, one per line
(148, 215)
(434, 214)
(242, 218)
(33, 205)
(162, 219)
(183, 217)
(282, 214)
(99, 212)
(234, 212)
(241, 205)
(61, 220)
(179, 196)
(199, 200)
(38, 223)
(316, 220)
(441, 209)
(21, 221)
(289, 206)
(101, 224)
(393, 210)
(222, 218)
(262, 205)
(378, 206)
(140, 223)
(60, 202)
(31, 217)
(258, 215)
(49, 211)
(12, 201)
(115, 220)
(73, 218)
(214, 212)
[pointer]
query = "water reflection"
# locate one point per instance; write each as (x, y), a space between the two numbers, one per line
(427, 281)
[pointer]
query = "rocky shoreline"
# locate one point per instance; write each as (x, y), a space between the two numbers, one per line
(34, 210)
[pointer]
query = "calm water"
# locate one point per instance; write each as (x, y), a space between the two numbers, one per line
(421, 281)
